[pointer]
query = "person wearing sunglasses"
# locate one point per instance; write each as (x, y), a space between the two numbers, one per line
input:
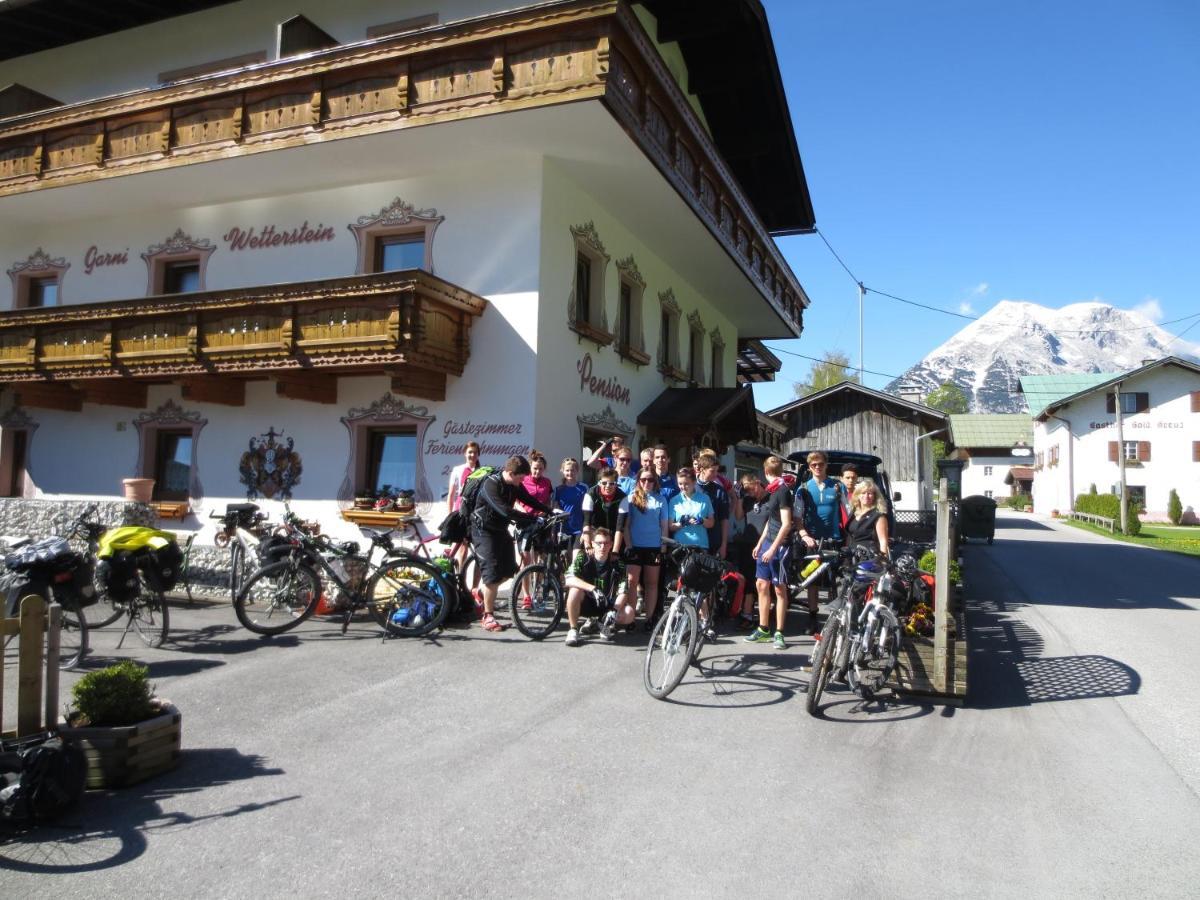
(819, 512)
(601, 506)
(626, 480)
(643, 519)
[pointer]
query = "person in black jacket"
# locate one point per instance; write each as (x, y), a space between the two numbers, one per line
(489, 530)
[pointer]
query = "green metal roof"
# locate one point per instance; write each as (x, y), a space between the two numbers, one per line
(991, 430)
(1042, 390)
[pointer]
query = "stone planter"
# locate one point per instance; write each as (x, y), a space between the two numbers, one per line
(139, 490)
(122, 755)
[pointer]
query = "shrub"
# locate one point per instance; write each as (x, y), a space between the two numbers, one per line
(928, 563)
(1174, 508)
(1109, 506)
(117, 695)
(1092, 490)
(1019, 501)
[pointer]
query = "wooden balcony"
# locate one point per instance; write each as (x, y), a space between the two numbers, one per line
(411, 325)
(549, 54)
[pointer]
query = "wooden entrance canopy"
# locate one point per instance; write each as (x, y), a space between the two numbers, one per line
(410, 325)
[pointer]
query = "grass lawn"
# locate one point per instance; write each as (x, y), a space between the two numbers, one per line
(1182, 539)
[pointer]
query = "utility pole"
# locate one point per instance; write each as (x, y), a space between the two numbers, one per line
(1121, 457)
(861, 292)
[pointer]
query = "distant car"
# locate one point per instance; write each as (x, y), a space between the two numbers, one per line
(868, 466)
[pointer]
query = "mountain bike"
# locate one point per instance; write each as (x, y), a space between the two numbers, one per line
(861, 638)
(538, 597)
(681, 632)
(406, 595)
(243, 527)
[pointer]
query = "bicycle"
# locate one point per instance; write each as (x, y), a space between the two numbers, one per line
(407, 596)
(677, 639)
(538, 598)
(861, 638)
(243, 527)
(464, 575)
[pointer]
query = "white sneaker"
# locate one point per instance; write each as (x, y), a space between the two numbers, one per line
(608, 630)
(572, 637)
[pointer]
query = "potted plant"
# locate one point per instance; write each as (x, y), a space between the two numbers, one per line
(365, 499)
(126, 733)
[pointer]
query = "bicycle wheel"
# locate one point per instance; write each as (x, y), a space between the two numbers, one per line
(704, 621)
(409, 597)
(72, 638)
(104, 611)
(540, 588)
(149, 618)
(241, 567)
(670, 649)
(822, 665)
(277, 597)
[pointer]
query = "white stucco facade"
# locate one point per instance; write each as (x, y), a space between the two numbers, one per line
(984, 475)
(1072, 443)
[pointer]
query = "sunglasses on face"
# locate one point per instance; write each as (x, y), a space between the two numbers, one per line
(604, 485)
(646, 481)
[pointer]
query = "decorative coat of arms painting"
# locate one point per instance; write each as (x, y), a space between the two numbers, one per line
(271, 467)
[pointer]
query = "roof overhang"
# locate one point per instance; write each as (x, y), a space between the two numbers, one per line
(726, 413)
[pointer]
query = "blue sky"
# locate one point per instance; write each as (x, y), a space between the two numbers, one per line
(964, 152)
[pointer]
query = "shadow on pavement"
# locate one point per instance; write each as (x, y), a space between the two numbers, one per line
(111, 828)
(1005, 661)
(1005, 524)
(159, 668)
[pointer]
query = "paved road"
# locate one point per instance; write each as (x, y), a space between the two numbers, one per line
(327, 765)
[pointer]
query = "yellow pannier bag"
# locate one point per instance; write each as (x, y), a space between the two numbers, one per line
(132, 538)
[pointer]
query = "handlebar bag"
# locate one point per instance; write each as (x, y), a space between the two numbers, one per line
(701, 572)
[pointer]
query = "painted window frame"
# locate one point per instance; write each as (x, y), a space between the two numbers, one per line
(668, 338)
(631, 330)
(37, 268)
(696, 350)
(591, 322)
(178, 248)
(170, 417)
(398, 219)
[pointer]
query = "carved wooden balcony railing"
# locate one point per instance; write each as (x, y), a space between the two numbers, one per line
(549, 54)
(410, 324)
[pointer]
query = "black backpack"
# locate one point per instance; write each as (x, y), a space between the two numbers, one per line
(41, 782)
(470, 492)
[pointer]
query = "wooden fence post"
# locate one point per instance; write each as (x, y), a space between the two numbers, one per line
(941, 592)
(29, 665)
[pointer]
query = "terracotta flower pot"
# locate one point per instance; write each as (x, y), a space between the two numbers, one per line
(140, 490)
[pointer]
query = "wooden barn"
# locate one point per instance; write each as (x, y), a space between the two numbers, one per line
(849, 416)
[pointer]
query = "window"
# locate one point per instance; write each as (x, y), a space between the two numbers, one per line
(630, 343)
(987, 470)
(718, 364)
(1131, 450)
(43, 292)
(586, 313)
(397, 237)
(181, 277)
(695, 349)
(177, 265)
(668, 337)
(625, 315)
(17, 461)
(173, 465)
(393, 460)
(1137, 496)
(400, 251)
(37, 281)
(987, 493)
(1130, 403)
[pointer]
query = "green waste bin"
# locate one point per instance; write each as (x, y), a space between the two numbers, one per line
(977, 517)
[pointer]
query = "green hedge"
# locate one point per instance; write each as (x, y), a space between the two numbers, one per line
(1109, 506)
(1018, 501)
(928, 563)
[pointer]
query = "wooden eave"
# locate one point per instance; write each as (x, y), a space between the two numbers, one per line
(540, 56)
(385, 322)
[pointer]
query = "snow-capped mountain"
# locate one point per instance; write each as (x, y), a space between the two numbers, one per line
(988, 357)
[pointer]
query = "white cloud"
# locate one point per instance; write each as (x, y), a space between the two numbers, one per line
(980, 289)
(966, 308)
(1150, 308)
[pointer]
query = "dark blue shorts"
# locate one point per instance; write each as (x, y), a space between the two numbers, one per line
(776, 570)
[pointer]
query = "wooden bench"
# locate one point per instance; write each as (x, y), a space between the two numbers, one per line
(1102, 521)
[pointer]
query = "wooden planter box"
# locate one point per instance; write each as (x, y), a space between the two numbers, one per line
(914, 669)
(124, 755)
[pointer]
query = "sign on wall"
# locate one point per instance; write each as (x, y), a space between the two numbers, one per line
(270, 467)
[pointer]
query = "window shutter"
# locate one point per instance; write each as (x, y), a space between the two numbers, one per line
(1112, 452)
(1141, 402)
(1143, 451)
(1195, 451)
(1195, 401)
(1110, 403)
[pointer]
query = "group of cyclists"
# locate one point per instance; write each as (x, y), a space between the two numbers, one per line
(638, 504)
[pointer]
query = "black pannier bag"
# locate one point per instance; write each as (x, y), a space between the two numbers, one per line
(274, 548)
(701, 572)
(161, 566)
(16, 586)
(119, 575)
(52, 554)
(40, 779)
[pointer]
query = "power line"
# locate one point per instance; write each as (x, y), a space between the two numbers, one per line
(835, 256)
(923, 306)
(849, 368)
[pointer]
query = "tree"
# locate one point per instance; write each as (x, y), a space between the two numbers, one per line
(950, 399)
(834, 368)
(1174, 508)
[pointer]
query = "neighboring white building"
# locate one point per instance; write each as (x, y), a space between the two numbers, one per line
(300, 261)
(997, 450)
(1079, 440)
